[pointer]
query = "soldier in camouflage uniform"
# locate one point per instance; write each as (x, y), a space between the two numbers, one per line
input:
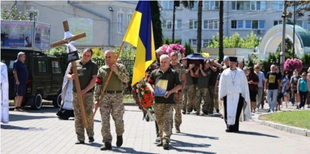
(112, 102)
(174, 64)
(166, 82)
(189, 90)
(87, 75)
(204, 73)
(215, 67)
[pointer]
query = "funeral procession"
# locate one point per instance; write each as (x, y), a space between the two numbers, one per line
(155, 77)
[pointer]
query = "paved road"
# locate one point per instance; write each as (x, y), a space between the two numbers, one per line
(41, 132)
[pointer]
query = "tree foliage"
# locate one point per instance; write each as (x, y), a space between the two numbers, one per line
(156, 22)
(235, 41)
(188, 49)
(12, 13)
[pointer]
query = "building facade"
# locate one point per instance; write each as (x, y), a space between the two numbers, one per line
(105, 22)
(240, 17)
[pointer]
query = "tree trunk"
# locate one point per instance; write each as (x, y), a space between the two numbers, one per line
(221, 31)
(199, 26)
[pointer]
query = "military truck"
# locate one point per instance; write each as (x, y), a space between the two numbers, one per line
(44, 80)
(45, 73)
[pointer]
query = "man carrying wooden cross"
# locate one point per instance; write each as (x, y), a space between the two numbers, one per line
(87, 74)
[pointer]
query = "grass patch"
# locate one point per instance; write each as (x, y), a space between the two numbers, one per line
(127, 98)
(299, 119)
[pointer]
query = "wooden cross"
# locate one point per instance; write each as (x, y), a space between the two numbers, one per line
(73, 64)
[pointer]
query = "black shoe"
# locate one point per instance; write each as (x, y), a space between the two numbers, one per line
(166, 146)
(228, 130)
(79, 142)
(119, 141)
(91, 139)
(106, 146)
(184, 112)
(198, 113)
(160, 143)
(217, 111)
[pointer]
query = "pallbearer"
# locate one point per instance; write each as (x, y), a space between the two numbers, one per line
(234, 90)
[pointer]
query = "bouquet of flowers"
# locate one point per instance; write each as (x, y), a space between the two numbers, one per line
(145, 97)
(176, 48)
(293, 63)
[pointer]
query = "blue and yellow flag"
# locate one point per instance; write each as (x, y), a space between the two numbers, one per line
(140, 35)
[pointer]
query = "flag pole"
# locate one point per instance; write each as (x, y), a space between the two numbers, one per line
(106, 83)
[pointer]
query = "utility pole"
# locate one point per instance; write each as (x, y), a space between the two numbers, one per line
(282, 54)
(294, 29)
(176, 3)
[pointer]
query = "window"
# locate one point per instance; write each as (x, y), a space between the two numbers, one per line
(278, 5)
(178, 24)
(129, 16)
(193, 42)
(248, 24)
(261, 24)
(302, 23)
(193, 24)
(42, 66)
(248, 5)
(211, 5)
(277, 22)
(167, 5)
(234, 24)
(167, 24)
(195, 7)
(120, 23)
(205, 42)
(55, 67)
(240, 24)
(210, 24)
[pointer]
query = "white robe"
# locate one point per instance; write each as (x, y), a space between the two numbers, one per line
(232, 91)
(66, 94)
(4, 94)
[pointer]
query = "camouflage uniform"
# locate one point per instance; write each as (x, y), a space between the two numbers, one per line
(178, 98)
(112, 102)
(88, 106)
(164, 114)
(85, 73)
(163, 107)
(189, 94)
(203, 92)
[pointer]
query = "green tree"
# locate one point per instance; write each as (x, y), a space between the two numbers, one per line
(166, 41)
(188, 49)
(12, 13)
(235, 41)
(60, 53)
(156, 22)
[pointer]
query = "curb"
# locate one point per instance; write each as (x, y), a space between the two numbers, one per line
(282, 127)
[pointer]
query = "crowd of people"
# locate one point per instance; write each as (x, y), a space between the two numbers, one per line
(179, 86)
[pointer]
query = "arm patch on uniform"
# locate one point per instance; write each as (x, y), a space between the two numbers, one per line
(151, 81)
(98, 80)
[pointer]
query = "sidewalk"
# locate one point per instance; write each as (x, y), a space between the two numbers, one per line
(41, 132)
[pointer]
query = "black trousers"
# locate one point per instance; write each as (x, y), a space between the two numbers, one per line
(234, 127)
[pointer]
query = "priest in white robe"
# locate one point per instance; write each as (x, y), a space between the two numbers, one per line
(234, 91)
(66, 110)
(4, 93)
